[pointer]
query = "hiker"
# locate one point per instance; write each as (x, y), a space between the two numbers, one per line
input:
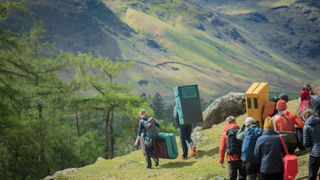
(269, 151)
(304, 100)
(249, 133)
(284, 123)
(311, 140)
(185, 136)
(232, 145)
(147, 132)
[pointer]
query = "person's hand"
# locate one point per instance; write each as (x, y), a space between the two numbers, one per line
(136, 145)
(222, 163)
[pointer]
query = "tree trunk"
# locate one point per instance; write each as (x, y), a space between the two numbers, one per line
(77, 121)
(112, 136)
(107, 137)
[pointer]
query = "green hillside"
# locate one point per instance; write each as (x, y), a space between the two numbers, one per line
(220, 46)
(205, 166)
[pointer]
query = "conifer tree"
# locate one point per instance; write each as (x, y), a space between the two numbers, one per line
(158, 105)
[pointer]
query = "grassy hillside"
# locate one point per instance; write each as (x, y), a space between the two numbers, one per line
(205, 166)
(221, 46)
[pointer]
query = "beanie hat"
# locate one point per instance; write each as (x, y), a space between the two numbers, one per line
(230, 119)
(249, 121)
(284, 96)
(268, 124)
(281, 105)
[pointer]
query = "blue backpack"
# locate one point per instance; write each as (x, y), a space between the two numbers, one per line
(249, 142)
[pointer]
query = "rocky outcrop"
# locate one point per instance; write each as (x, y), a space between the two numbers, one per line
(61, 173)
(220, 109)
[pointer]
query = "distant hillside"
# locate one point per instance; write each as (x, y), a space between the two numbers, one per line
(220, 45)
(205, 166)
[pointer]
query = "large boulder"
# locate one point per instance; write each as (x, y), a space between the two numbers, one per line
(230, 104)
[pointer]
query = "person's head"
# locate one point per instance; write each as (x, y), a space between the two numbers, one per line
(249, 121)
(231, 119)
(284, 97)
(281, 105)
(268, 124)
(308, 87)
(142, 113)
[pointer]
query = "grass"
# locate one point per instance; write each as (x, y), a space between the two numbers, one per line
(204, 166)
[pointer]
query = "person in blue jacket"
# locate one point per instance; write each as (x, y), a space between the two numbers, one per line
(270, 151)
(149, 150)
(185, 136)
(311, 140)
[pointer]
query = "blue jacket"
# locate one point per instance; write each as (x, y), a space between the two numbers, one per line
(311, 135)
(269, 151)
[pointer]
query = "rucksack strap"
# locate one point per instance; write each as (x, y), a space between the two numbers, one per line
(283, 144)
(285, 117)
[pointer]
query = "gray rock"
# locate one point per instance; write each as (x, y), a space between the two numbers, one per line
(61, 173)
(230, 104)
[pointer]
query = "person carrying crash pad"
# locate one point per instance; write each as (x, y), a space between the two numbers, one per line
(147, 133)
(284, 124)
(229, 143)
(185, 136)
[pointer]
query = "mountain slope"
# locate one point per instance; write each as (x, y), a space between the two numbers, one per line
(221, 46)
(205, 166)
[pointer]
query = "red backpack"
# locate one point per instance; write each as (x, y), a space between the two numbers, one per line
(290, 163)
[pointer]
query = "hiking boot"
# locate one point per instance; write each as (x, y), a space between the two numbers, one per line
(184, 158)
(194, 151)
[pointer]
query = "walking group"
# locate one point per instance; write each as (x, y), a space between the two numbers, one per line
(260, 153)
(255, 150)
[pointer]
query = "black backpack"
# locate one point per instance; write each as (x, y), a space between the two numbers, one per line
(233, 144)
(151, 129)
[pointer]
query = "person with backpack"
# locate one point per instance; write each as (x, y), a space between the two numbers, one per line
(269, 152)
(284, 124)
(232, 145)
(311, 140)
(185, 136)
(248, 134)
(147, 133)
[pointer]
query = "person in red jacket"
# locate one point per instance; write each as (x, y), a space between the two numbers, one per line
(234, 161)
(285, 122)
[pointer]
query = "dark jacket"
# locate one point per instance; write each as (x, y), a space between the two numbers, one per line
(311, 135)
(142, 127)
(269, 151)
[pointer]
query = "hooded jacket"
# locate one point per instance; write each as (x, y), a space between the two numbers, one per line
(269, 151)
(311, 135)
(223, 143)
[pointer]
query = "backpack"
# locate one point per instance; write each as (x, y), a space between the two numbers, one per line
(233, 144)
(249, 142)
(152, 130)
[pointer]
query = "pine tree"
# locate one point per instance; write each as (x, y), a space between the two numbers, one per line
(158, 105)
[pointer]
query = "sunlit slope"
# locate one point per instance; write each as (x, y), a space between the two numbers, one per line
(205, 166)
(212, 54)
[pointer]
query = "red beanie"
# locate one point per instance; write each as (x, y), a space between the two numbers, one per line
(281, 105)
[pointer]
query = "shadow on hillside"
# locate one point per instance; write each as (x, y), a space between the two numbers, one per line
(210, 152)
(177, 164)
